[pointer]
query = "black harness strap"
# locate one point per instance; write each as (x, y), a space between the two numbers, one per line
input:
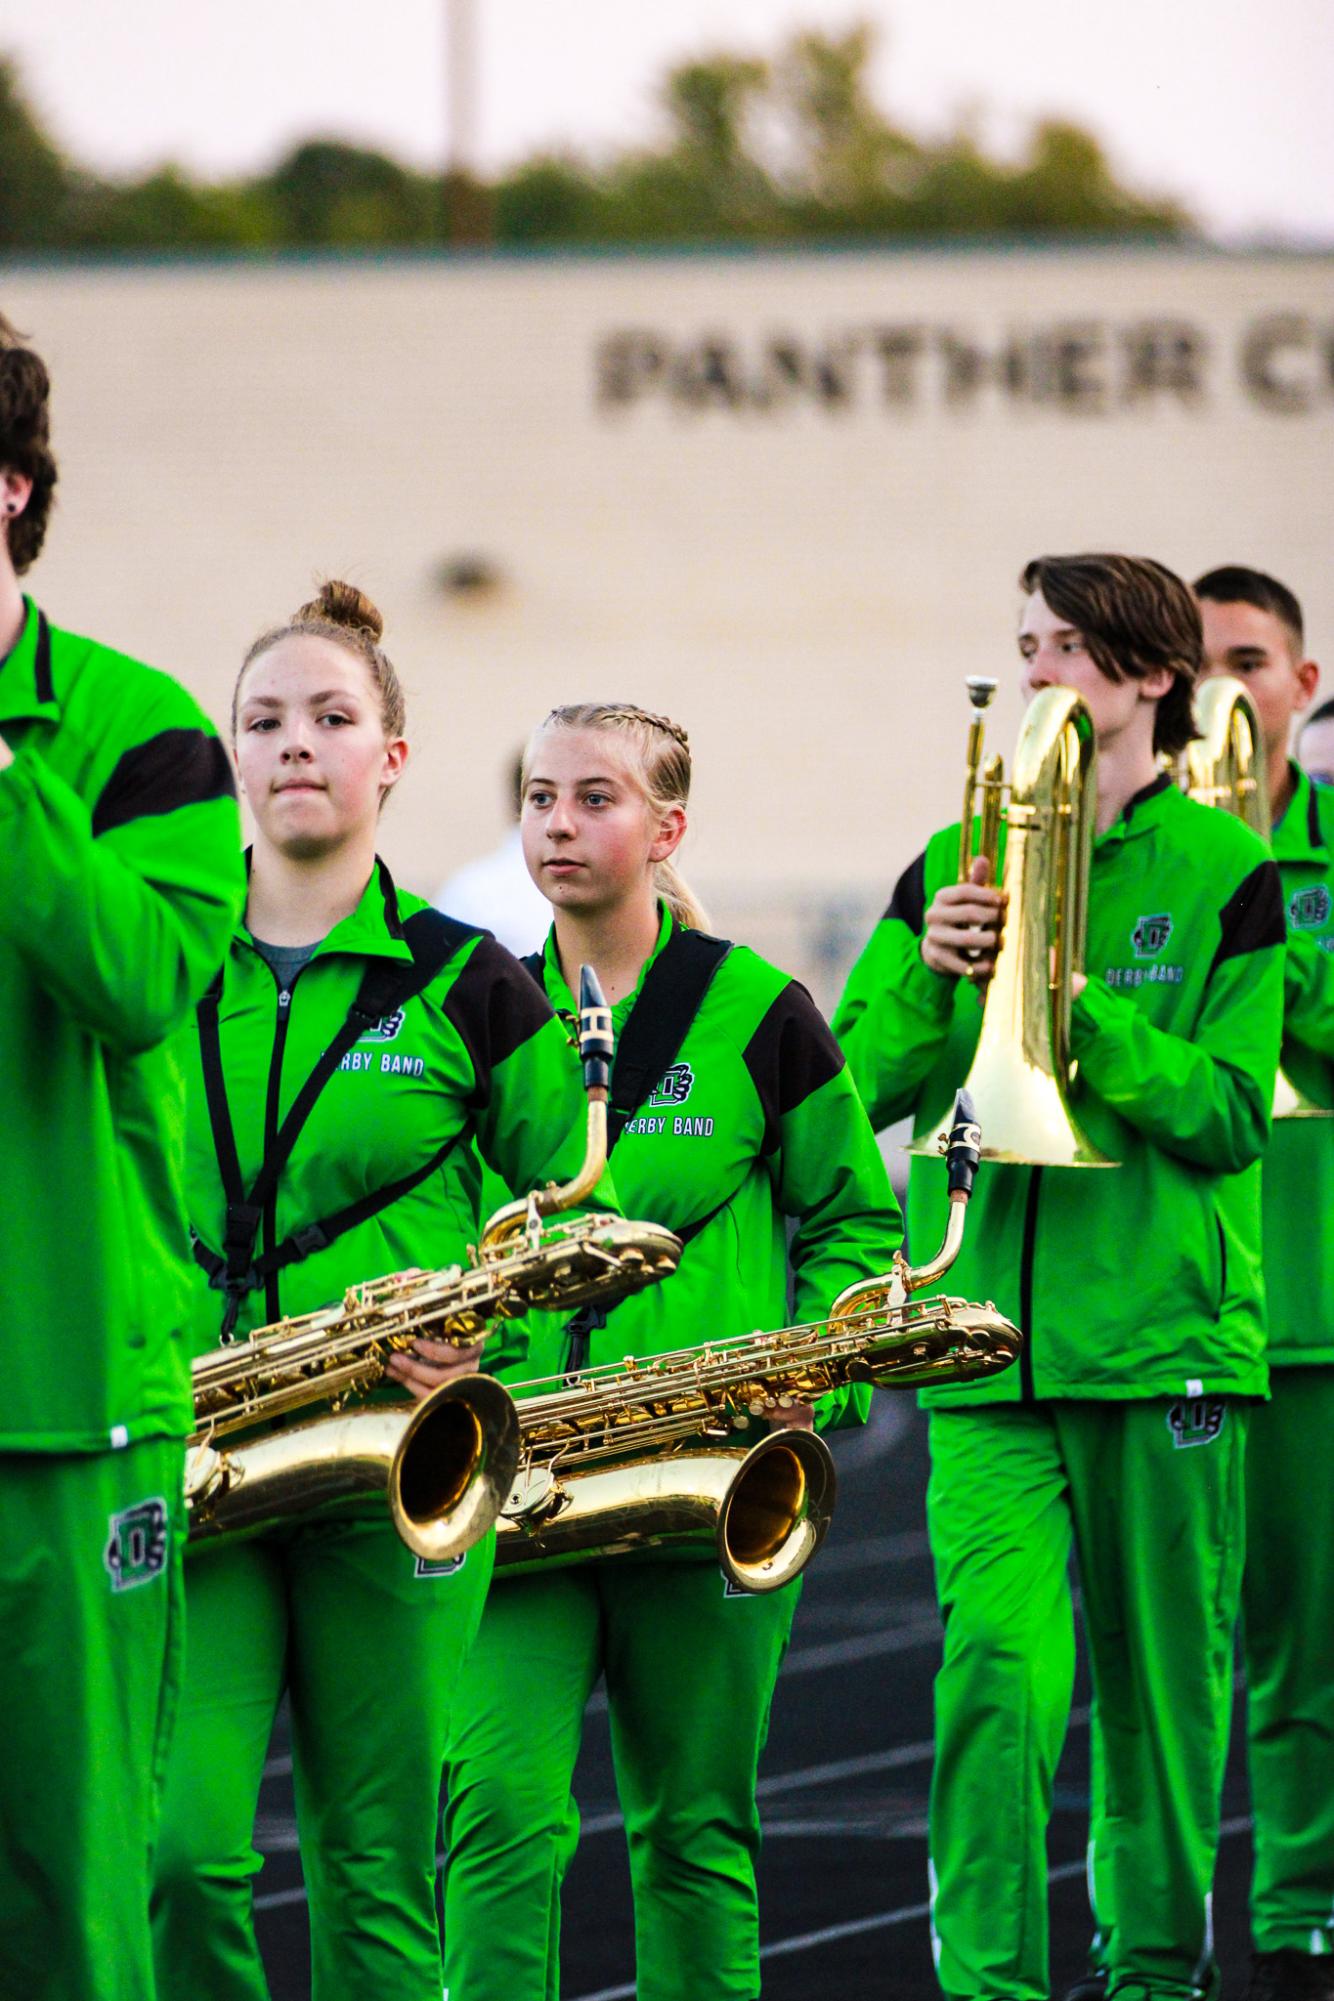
(215, 1090)
(41, 666)
(386, 986)
(312, 1237)
(581, 1325)
(660, 1020)
(670, 998)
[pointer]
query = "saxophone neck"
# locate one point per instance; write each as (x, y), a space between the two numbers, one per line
(963, 1152)
(917, 1276)
(892, 1289)
(597, 1048)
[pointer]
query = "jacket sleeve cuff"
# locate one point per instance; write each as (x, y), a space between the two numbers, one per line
(15, 781)
(1095, 1010)
(930, 993)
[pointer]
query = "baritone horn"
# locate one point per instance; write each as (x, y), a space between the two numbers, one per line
(1020, 1076)
(1224, 766)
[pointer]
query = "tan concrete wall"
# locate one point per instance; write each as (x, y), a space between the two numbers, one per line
(770, 495)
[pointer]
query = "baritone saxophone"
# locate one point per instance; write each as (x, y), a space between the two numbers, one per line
(647, 1455)
(444, 1465)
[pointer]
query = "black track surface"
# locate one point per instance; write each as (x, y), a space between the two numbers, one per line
(843, 1786)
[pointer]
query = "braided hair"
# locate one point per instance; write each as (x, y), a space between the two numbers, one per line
(660, 762)
(25, 442)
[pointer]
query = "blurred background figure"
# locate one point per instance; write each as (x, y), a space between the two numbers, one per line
(1315, 744)
(1253, 630)
(496, 891)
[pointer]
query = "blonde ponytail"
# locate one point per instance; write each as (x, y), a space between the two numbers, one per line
(680, 899)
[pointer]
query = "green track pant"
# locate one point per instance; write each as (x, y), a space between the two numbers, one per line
(1288, 1626)
(690, 1677)
(90, 1611)
(368, 1649)
(1150, 1496)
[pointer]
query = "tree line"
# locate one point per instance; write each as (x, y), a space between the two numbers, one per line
(788, 150)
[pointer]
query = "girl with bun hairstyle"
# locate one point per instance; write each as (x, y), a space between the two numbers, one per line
(457, 1046)
(751, 1123)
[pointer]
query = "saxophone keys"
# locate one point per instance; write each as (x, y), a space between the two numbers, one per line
(535, 1496)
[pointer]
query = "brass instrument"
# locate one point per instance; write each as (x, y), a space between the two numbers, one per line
(644, 1455)
(1224, 766)
(1022, 1068)
(445, 1464)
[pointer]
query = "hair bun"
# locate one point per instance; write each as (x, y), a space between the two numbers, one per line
(343, 604)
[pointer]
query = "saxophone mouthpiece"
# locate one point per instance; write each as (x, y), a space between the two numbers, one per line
(597, 1039)
(963, 1149)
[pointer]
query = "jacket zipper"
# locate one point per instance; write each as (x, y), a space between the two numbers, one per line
(272, 1309)
(1026, 1390)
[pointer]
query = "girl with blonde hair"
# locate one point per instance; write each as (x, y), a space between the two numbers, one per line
(750, 1121)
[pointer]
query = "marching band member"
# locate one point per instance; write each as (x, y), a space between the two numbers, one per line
(119, 882)
(1253, 629)
(352, 1047)
(1121, 1433)
(1315, 745)
(738, 1113)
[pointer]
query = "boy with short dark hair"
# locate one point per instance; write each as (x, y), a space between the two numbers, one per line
(1253, 628)
(1121, 1432)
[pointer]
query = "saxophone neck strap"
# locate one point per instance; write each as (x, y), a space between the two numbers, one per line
(660, 1020)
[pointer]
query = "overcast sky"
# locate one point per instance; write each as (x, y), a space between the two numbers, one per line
(1226, 103)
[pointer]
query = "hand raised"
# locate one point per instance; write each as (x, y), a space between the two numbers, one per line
(964, 926)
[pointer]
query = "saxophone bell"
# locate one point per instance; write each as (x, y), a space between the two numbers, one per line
(445, 1466)
(763, 1509)
(454, 1466)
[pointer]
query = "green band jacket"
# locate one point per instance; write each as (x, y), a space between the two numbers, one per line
(1299, 1162)
(476, 1055)
(1145, 1279)
(756, 1122)
(120, 880)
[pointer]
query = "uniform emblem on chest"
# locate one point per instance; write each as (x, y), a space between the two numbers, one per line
(674, 1087)
(385, 1029)
(1308, 909)
(1151, 934)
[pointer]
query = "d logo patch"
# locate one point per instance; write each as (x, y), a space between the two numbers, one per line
(136, 1550)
